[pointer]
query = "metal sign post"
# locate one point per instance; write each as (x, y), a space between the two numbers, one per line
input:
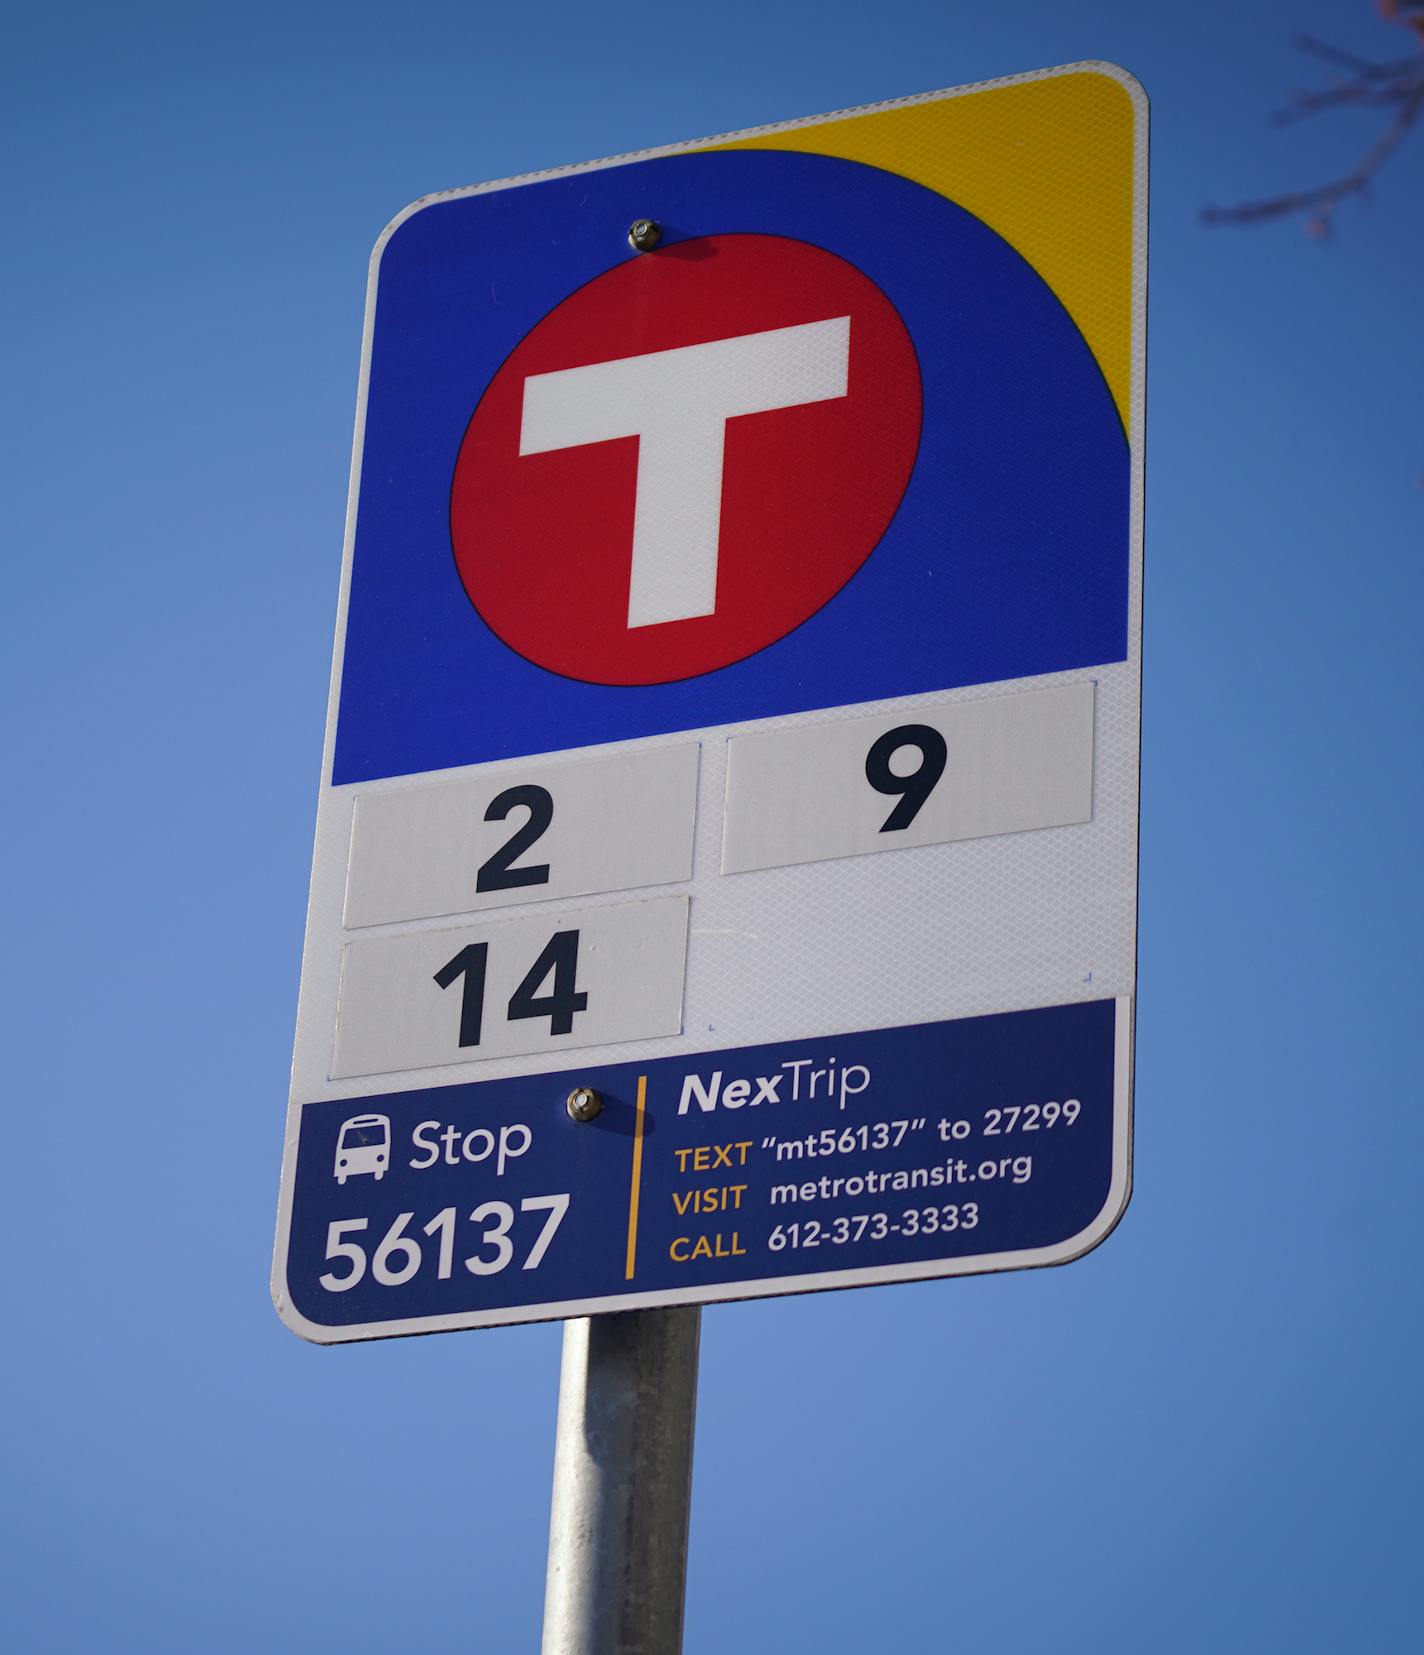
(622, 1484)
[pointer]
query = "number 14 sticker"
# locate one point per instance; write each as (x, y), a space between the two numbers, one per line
(506, 988)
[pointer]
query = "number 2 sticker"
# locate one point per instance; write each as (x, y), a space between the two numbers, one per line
(533, 834)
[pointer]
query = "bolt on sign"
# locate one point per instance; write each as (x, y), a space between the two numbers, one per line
(725, 869)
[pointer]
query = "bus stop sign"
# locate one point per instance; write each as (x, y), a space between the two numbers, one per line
(725, 867)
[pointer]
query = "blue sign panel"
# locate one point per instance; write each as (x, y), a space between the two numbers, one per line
(1006, 553)
(826, 1160)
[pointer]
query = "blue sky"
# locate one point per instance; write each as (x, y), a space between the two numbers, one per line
(1202, 1436)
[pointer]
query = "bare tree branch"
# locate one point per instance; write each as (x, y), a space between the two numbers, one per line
(1356, 91)
(1346, 60)
(1397, 84)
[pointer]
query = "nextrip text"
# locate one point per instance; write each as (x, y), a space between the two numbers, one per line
(794, 1080)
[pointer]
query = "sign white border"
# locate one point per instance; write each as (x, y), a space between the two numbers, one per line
(1120, 1188)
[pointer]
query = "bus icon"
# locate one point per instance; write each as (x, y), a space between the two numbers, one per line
(363, 1145)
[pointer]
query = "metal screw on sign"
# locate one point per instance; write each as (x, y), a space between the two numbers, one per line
(583, 1103)
(644, 234)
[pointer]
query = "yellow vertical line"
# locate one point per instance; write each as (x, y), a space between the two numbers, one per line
(637, 1177)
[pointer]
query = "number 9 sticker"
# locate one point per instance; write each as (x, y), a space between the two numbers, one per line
(998, 764)
(548, 831)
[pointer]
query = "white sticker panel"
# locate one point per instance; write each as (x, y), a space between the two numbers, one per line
(554, 830)
(1002, 764)
(542, 984)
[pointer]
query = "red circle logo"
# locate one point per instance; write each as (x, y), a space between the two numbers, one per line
(686, 459)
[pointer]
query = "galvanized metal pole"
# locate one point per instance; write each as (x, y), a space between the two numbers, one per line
(622, 1484)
